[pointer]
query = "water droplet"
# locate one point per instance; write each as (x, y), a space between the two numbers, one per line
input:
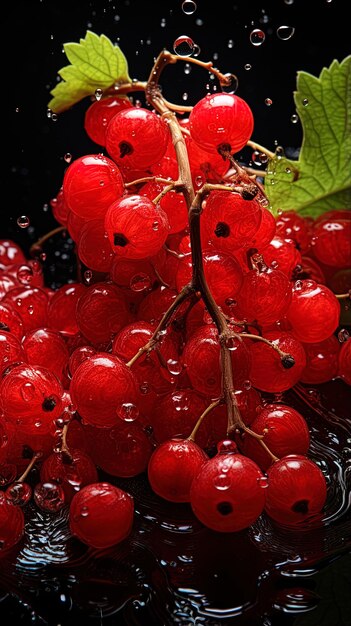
(222, 481)
(144, 388)
(226, 446)
(84, 511)
(294, 118)
(298, 285)
(197, 50)
(189, 7)
(263, 157)
(88, 274)
(285, 32)
(257, 37)
(289, 2)
(230, 85)
(155, 225)
(30, 309)
(185, 96)
(247, 66)
(268, 102)
(49, 113)
(174, 367)
(128, 412)
(230, 43)
(23, 221)
(54, 117)
(288, 170)
(163, 22)
(343, 335)
(25, 274)
(183, 46)
(140, 282)
(187, 68)
(305, 102)
(279, 152)
(68, 157)
(263, 482)
(98, 94)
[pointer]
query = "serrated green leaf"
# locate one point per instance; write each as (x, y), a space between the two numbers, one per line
(321, 178)
(96, 63)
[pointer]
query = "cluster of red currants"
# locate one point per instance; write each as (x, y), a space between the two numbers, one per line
(109, 374)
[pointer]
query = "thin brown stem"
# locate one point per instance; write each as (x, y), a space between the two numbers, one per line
(31, 464)
(282, 354)
(39, 243)
(202, 417)
(186, 292)
(163, 193)
(256, 146)
(343, 296)
(254, 172)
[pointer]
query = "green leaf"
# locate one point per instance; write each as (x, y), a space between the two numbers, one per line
(96, 63)
(321, 178)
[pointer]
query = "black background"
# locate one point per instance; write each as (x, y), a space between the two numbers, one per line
(33, 32)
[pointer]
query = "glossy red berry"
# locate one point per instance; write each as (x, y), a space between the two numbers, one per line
(136, 227)
(283, 255)
(10, 320)
(31, 397)
(19, 493)
(173, 467)
(99, 114)
(219, 119)
(72, 471)
(285, 432)
(49, 496)
(264, 296)
(11, 523)
(228, 493)
(229, 222)
(102, 388)
(176, 414)
(10, 252)
(101, 515)
(332, 241)
(101, 312)
(291, 225)
(91, 183)
(10, 351)
(31, 303)
(268, 370)
(135, 274)
(314, 311)
(94, 248)
(47, 348)
(136, 138)
(322, 361)
(296, 491)
(60, 208)
(79, 355)
(62, 308)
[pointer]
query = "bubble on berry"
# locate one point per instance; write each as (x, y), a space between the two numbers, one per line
(268, 102)
(27, 391)
(247, 66)
(294, 118)
(343, 335)
(222, 481)
(8, 474)
(183, 46)
(155, 225)
(144, 388)
(285, 32)
(68, 157)
(23, 221)
(174, 367)
(88, 274)
(24, 274)
(257, 37)
(140, 282)
(49, 497)
(30, 309)
(226, 446)
(128, 412)
(98, 94)
(19, 493)
(189, 7)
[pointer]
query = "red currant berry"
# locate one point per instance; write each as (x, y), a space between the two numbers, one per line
(10, 320)
(90, 184)
(322, 361)
(176, 414)
(135, 274)
(60, 208)
(62, 308)
(47, 348)
(31, 303)
(228, 493)
(283, 255)
(10, 351)
(290, 225)
(19, 493)
(265, 295)
(49, 496)
(332, 241)
(219, 119)
(101, 515)
(173, 467)
(136, 138)
(99, 114)
(10, 252)
(100, 388)
(314, 311)
(296, 490)
(101, 312)
(72, 471)
(285, 432)
(345, 362)
(94, 248)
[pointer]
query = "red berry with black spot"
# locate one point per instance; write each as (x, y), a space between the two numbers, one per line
(72, 471)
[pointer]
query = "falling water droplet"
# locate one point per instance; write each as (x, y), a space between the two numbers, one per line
(23, 221)
(189, 7)
(54, 117)
(285, 32)
(88, 274)
(268, 102)
(247, 66)
(187, 68)
(230, 84)
(68, 157)
(294, 118)
(183, 46)
(98, 94)
(343, 335)
(257, 37)
(230, 43)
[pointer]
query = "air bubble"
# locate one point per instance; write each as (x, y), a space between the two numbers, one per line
(247, 66)
(88, 274)
(294, 118)
(285, 32)
(128, 412)
(343, 335)
(23, 221)
(174, 367)
(155, 225)
(140, 282)
(185, 96)
(68, 157)
(98, 94)
(187, 68)
(230, 84)
(257, 37)
(222, 481)
(183, 46)
(197, 50)
(268, 102)
(54, 117)
(230, 43)
(189, 7)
